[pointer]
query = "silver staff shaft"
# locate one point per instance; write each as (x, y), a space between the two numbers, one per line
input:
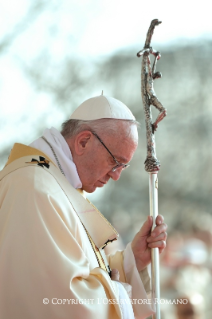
(155, 265)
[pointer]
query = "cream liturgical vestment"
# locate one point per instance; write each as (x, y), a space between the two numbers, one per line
(51, 239)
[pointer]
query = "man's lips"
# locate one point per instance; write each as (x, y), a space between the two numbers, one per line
(101, 183)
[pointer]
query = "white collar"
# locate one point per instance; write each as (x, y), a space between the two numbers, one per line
(63, 154)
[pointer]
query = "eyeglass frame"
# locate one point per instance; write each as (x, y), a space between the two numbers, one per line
(117, 162)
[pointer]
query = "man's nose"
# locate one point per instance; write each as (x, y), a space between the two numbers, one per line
(115, 175)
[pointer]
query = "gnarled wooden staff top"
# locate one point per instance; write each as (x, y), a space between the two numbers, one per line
(148, 75)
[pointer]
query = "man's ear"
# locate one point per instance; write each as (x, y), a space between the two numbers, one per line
(82, 142)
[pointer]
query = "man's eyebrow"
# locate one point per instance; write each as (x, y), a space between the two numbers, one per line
(121, 159)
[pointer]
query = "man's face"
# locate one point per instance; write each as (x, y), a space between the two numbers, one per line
(96, 166)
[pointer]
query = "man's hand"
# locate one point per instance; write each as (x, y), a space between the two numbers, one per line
(144, 240)
(115, 274)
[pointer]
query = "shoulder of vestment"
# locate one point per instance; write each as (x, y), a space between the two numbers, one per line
(39, 165)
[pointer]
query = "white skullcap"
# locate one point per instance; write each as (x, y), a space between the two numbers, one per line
(102, 107)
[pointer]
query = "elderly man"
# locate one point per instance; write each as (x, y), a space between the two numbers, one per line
(52, 239)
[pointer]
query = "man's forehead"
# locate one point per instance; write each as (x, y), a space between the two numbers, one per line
(128, 132)
(123, 147)
(124, 133)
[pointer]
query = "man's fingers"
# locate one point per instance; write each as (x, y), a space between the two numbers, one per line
(158, 230)
(161, 244)
(160, 226)
(115, 274)
(159, 219)
(161, 236)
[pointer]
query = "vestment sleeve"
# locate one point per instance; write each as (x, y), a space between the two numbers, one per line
(141, 300)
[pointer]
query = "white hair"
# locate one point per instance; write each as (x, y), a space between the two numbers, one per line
(72, 127)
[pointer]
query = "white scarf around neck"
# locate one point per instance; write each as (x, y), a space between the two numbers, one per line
(61, 148)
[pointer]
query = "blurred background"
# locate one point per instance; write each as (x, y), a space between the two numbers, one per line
(55, 54)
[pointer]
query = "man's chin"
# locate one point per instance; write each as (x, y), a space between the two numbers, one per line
(89, 189)
(92, 188)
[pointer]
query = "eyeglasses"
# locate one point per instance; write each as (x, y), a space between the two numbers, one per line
(122, 165)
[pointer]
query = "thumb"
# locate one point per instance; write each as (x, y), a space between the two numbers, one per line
(147, 225)
(115, 274)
